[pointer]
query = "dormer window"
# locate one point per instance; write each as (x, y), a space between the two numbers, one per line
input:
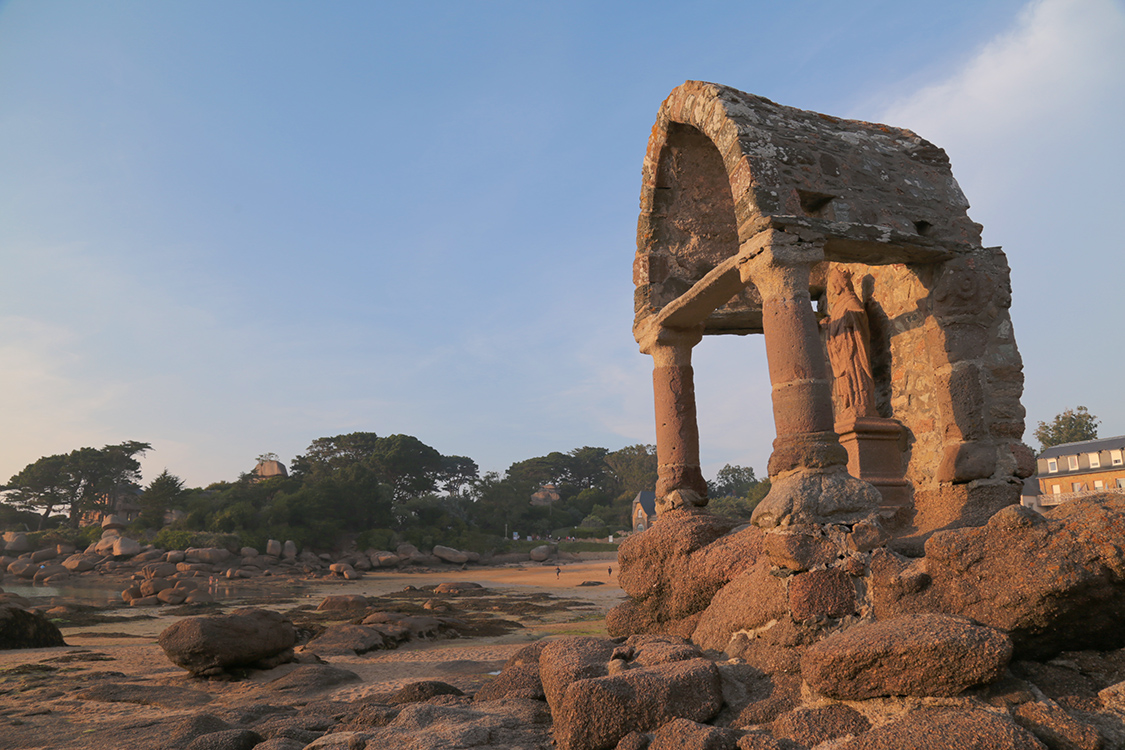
(1052, 465)
(1072, 463)
(1115, 458)
(1095, 460)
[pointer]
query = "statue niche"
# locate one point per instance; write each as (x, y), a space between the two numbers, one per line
(874, 444)
(848, 341)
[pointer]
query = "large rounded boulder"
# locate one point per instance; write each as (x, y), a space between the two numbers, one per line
(21, 628)
(207, 646)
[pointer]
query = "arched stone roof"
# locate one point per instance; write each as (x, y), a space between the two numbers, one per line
(723, 165)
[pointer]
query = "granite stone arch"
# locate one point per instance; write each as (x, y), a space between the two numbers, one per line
(747, 206)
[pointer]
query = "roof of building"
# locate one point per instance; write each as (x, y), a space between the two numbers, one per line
(1085, 446)
(647, 499)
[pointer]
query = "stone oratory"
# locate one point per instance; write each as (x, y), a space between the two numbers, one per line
(895, 376)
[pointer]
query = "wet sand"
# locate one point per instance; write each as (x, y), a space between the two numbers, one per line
(130, 647)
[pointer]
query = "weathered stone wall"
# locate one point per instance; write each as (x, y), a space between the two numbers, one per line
(947, 367)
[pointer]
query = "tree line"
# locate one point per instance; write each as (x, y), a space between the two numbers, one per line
(380, 490)
(377, 490)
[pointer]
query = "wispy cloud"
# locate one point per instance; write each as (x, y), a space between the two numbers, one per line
(1062, 61)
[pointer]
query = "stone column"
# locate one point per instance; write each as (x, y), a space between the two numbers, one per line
(679, 479)
(802, 387)
(808, 467)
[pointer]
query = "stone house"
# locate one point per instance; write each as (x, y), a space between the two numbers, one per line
(1071, 470)
(125, 506)
(644, 510)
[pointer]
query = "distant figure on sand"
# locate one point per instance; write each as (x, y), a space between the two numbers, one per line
(557, 571)
(611, 571)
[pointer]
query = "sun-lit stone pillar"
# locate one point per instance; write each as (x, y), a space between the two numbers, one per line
(808, 467)
(679, 479)
(802, 387)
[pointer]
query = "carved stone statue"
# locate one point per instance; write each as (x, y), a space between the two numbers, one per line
(849, 349)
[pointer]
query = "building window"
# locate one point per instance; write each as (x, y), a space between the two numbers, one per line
(1115, 458)
(1077, 486)
(1072, 463)
(1052, 465)
(1121, 483)
(1098, 484)
(1056, 489)
(1095, 461)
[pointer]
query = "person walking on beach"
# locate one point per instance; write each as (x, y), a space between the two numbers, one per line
(558, 570)
(611, 571)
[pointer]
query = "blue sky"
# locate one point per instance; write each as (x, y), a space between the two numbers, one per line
(232, 228)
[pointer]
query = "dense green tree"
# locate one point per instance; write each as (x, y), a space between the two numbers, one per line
(497, 502)
(404, 462)
(410, 466)
(554, 468)
(732, 481)
(1071, 426)
(632, 468)
(162, 494)
(118, 471)
(739, 508)
(43, 487)
(588, 467)
(84, 479)
(592, 522)
(328, 454)
(456, 474)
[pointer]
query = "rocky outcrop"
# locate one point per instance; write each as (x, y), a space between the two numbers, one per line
(817, 613)
(16, 543)
(598, 712)
(21, 628)
(450, 555)
(541, 553)
(347, 639)
(672, 571)
(811, 726)
(919, 655)
(459, 588)
(126, 547)
(1053, 582)
(519, 678)
(346, 571)
(308, 679)
(601, 690)
(342, 602)
(937, 729)
(210, 555)
(209, 645)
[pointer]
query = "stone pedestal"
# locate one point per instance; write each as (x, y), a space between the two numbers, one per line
(875, 449)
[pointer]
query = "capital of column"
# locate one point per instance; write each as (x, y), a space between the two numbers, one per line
(779, 263)
(669, 347)
(802, 395)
